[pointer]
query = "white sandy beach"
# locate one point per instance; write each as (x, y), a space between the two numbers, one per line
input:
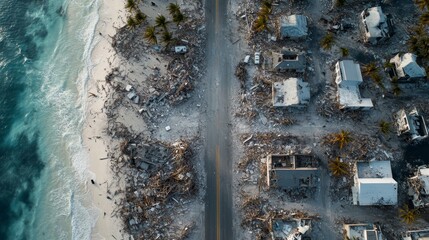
(96, 141)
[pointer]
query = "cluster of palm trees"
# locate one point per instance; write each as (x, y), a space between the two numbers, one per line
(337, 167)
(136, 15)
(372, 71)
(419, 41)
(261, 22)
(150, 34)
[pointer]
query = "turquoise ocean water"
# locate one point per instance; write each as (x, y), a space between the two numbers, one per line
(45, 64)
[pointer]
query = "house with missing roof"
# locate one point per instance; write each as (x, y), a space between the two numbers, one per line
(348, 78)
(406, 67)
(287, 171)
(363, 231)
(293, 27)
(375, 25)
(374, 184)
(290, 229)
(292, 92)
(288, 60)
(416, 235)
(419, 187)
(410, 126)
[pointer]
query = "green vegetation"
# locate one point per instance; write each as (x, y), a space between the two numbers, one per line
(408, 215)
(338, 168)
(341, 138)
(384, 127)
(261, 22)
(422, 4)
(344, 52)
(327, 41)
(150, 35)
(161, 21)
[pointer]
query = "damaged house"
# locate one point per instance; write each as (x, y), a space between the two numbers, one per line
(292, 229)
(406, 67)
(292, 92)
(411, 126)
(366, 231)
(287, 60)
(419, 187)
(374, 184)
(292, 171)
(375, 25)
(348, 78)
(293, 26)
(416, 235)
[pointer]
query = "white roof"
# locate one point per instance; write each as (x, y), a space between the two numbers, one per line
(375, 22)
(292, 91)
(375, 184)
(348, 82)
(293, 26)
(406, 65)
(350, 72)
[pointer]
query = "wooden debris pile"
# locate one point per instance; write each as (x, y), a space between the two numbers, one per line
(241, 74)
(258, 215)
(159, 178)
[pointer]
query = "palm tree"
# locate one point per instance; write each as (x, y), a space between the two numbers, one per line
(396, 89)
(173, 9)
(150, 35)
(131, 5)
(327, 41)
(161, 21)
(424, 18)
(338, 168)
(422, 4)
(140, 17)
(340, 3)
(265, 11)
(384, 126)
(167, 38)
(419, 42)
(260, 24)
(344, 52)
(178, 18)
(341, 138)
(370, 69)
(267, 4)
(131, 22)
(408, 215)
(375, 76)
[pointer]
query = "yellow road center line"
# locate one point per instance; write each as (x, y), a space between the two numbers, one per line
(217, 193)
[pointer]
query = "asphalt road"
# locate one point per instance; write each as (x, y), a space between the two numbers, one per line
(218, 163)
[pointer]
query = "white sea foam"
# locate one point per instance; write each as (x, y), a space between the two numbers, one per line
(64, 200)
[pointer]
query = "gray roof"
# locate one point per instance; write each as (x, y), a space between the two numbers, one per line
(292, 171)
(294, 26)
(406, 66)
(288, 60)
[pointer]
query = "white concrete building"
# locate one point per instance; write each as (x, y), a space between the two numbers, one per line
(376, 26)
(348, 78)
(293, 26)
(406, 67)
(374, 184)
(416, 235)
(411, 126)
(366, 231)
(292, 92)
(419, 187)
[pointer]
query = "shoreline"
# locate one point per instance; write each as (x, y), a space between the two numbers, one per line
(102, 184)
